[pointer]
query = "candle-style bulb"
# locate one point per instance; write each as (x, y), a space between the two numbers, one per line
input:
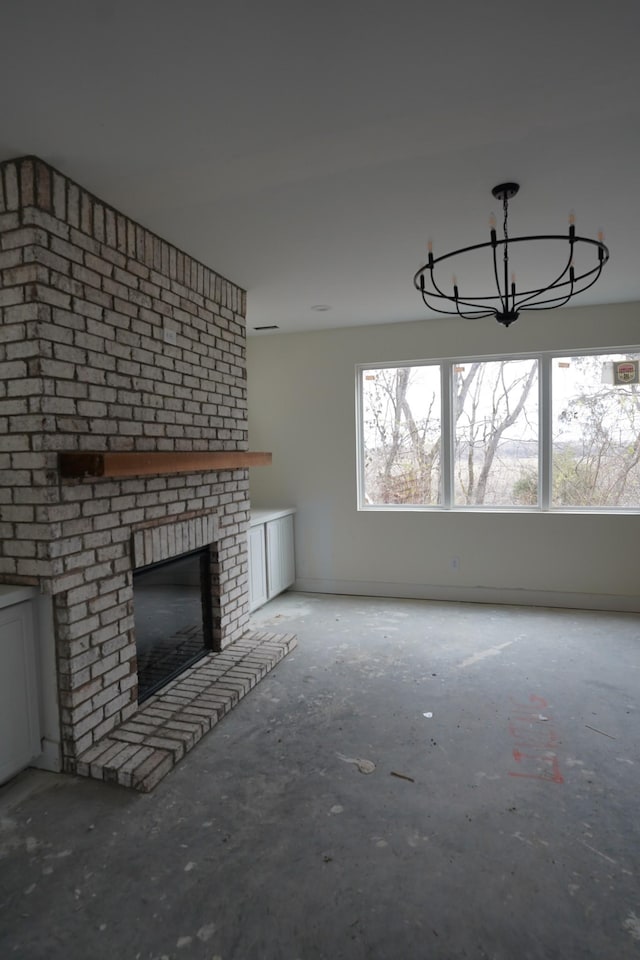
(572, 218)
(600, 236)
(492, 221)
(430, 252)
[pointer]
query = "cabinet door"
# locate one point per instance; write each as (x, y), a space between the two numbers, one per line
(257, 567)
(280, 557)
(19, 723)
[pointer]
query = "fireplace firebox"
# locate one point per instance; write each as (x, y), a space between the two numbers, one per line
(172, 618)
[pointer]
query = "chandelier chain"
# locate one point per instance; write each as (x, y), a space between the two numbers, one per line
(505, 208)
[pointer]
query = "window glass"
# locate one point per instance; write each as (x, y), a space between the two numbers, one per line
(585, 436)
(596, 431)
(401, 435)
(495, 417)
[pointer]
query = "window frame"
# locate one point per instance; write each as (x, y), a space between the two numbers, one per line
(545, 434)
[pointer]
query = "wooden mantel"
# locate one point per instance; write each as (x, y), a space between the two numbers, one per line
(141, 464)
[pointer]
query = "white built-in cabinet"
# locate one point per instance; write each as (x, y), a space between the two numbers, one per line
(19, 697)
(271, 554)
(257, 566)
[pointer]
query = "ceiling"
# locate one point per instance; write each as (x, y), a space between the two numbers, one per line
(308, 150)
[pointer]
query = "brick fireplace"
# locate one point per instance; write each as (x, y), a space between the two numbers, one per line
(112, 340)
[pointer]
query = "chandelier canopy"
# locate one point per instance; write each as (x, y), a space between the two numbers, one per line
(508, 301)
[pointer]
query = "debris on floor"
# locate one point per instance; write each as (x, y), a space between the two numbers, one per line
(364, 766)
(401, 776)
(595, 730)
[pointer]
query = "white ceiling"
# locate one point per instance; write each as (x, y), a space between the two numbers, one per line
(307, 150)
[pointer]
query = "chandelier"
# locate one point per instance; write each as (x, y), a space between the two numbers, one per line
(508, 301)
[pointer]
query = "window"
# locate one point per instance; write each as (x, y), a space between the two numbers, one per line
(495, 415)
(596, 432)
(401, 435)
(528, 432)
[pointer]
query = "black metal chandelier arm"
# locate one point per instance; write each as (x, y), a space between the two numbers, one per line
(439, 292)
(429, 269)
(527, 295)
(476, 316)
(482, 306)
(521, 303)
(548, 304)
(558, 282)
(574, 284)
(441, 295)
(603, 254)
(481, 312)
(418, 282)
(486, 309)
(473, 246)
(557, 301)
(545, 304)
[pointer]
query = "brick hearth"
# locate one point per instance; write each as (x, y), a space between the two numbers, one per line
(143, 750)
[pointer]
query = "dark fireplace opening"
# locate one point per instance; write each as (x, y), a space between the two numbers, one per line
(172, 618)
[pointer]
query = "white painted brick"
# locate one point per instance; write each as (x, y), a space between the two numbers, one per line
(18, 514)
(115, 383)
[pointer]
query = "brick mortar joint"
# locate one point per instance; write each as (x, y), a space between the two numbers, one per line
(32, 166)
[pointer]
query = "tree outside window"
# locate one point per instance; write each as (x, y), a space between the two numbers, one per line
(596, 434)
(495, 446)
(401, 435)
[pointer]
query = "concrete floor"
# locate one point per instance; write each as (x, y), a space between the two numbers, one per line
(268, 842)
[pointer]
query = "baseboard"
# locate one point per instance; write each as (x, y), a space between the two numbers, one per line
(512, 596)
(50, 758)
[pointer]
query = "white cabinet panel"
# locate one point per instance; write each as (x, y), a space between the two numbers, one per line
(280, 563)
(19, 720)
(257, 567)
(271, 555)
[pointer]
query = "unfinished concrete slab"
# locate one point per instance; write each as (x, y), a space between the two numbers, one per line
(416, 780)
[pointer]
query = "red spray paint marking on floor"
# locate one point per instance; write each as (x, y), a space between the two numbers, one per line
(531, 731)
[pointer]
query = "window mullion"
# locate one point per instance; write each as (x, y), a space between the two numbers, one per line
(359, 440)
(446, 426)
(546, 429)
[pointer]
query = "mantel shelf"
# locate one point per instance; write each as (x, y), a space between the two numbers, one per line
(143, 464)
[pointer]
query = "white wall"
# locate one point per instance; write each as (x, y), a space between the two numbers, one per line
(302, 408)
